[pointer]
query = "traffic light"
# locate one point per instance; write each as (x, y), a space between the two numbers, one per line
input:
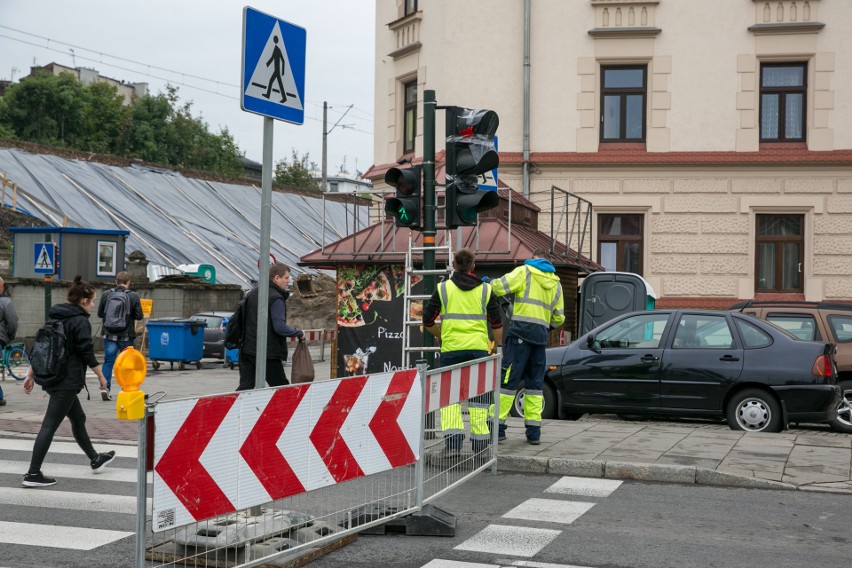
(405, 206)
(470, 153)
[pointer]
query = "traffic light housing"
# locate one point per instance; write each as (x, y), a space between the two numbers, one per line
(404, 207)
(470, 154)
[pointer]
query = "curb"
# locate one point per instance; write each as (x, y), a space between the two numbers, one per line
(665, 473)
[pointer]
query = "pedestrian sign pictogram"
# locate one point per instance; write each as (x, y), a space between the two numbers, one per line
(273, 67)
(488, 180)
(44, 259)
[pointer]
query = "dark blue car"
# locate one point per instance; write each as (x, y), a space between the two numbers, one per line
(694, 363)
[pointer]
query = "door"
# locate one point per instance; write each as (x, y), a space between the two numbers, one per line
(626, 372)
(703, 360)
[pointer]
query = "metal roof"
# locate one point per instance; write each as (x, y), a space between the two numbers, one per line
(174, 219)
(493, 243)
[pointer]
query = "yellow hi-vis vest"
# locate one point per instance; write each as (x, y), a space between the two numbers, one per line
(464, 319)
(538, 296)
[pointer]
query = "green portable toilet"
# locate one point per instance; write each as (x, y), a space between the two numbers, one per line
(207, 272)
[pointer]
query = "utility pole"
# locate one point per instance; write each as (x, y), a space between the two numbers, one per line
(325, 133)
(324, 146)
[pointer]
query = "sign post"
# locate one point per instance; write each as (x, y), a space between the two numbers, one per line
(273, 86)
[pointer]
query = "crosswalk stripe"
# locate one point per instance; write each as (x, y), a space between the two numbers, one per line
(20, 444)
(584, 486)
(72, 471)
(439, 563)
(52, 536)
(68, 500)
(509, 540)
(549, 510)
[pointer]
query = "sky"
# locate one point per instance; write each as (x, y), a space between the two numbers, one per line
(196, 45)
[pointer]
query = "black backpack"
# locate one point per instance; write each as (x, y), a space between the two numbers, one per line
(49, 353)
(116, 311)
(235, 330)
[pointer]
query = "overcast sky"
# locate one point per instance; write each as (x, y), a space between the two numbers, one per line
(196, 45)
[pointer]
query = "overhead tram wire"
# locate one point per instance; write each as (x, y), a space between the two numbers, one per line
(148, 73)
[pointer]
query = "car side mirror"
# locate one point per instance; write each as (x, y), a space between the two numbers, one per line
(593, 343)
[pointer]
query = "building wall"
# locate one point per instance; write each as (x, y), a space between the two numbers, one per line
(702, 107)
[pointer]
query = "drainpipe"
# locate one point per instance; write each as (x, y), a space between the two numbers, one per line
(526, 166)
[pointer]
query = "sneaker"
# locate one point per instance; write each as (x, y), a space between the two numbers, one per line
(532, 442)
(2, 402)
(38, 480)
(100, 462)
(501, 436)
(105, 394)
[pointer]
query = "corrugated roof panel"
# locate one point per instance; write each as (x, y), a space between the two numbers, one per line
(174, 219)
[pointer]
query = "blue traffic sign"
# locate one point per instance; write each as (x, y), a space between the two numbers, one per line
(488, 180)
(273, 67)
(44, 258)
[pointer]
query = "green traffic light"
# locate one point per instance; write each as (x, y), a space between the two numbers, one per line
(403, 215)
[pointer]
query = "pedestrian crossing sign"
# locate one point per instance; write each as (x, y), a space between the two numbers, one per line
(44, 259)
(273, 67)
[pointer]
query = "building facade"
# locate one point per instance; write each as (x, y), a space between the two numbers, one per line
(714, 139)
(129, 92)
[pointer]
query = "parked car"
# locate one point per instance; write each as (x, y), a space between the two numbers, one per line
(816, 321)
(694, 363)
(214, 333)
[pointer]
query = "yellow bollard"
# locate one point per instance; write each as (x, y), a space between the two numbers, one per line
(130, 370)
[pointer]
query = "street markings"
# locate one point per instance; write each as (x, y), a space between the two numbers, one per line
(529, 541)
(549, 511)
(513, 541)
(53, 536)
(61, 504)
(584, 486)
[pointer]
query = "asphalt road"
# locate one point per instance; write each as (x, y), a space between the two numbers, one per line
(638, 525)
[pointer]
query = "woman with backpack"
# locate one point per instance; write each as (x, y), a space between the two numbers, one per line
(65, 376)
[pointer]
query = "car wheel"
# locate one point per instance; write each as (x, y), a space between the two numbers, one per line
(754, 410)
(548, 408)
(843, 421)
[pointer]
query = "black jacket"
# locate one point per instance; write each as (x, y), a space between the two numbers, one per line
(80, 351)
(276, 345)
(135, 312)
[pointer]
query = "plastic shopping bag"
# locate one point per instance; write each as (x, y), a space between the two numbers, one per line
(303, 365)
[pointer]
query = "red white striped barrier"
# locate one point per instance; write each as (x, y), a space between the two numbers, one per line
(446, 387)
(316, 335)
(220, 454)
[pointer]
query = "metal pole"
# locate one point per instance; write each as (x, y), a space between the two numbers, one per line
(429, 105)
(263, 273)
(325, 145)
(422, 367)
(47, 295)
(141, 489)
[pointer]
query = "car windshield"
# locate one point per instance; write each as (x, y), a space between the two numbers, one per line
(212, 321)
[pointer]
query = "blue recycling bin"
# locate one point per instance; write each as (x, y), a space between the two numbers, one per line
(176, 341)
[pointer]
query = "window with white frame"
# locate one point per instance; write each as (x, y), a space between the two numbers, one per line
(107, 252)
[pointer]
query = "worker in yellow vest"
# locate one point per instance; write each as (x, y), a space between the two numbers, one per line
(537, 309)
(467, 308)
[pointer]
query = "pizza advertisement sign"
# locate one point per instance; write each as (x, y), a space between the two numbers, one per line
(370, 306)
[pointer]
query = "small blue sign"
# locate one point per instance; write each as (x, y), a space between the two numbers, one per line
(273, 67)
(488, 180)
(44, 258)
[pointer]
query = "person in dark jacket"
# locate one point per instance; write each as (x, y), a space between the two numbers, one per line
(277, 332)
(115, 343)
(80, 354)
(8, 324)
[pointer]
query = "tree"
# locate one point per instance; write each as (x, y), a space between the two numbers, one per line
(296, 173)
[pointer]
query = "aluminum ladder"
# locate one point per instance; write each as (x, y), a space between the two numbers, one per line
(410, 352)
